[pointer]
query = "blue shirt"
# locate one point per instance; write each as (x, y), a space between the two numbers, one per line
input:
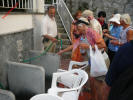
(115, 32)
(122, 61)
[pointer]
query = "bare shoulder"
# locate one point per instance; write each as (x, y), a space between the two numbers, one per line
(130, 32)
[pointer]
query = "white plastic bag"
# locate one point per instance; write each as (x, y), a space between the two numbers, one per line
(106, 59)
(98, 66)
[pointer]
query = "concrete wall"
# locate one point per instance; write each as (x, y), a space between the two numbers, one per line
(14, 47)
(15, 23)
(122, 6)
(38, 6)
(37, 21)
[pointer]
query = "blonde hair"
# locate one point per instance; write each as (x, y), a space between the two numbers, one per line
(126, 18)
(87, 13)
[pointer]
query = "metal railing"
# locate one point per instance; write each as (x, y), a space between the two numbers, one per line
(65, 15)
(21, 4)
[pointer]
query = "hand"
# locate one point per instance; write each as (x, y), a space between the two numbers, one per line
(114, 42)
(60, 52)
(54, 40)
(105, 31)
(84, 46)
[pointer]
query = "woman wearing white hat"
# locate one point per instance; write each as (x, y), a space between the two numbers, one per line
(114, 35)
(127, 32)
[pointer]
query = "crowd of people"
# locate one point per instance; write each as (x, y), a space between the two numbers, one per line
(114, 37)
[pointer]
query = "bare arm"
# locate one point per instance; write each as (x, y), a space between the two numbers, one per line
(130, 35)
(116, 43)
(109, 36)
(129, 38)
(50, 38)
(65, 50)
(71, 32)
(101, 44)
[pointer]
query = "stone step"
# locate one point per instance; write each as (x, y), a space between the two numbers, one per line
(66, 42)
(68, 2)
(61, 30)
(57, 17)
(60, 25)
(63, 35)
(58, 21)
(63, 47)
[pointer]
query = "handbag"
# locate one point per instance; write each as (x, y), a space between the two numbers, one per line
(98, 65)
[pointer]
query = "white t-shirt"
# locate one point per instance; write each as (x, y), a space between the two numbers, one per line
(49, 26)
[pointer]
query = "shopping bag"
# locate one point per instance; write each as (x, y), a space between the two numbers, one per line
(106, 59)
(98, 66)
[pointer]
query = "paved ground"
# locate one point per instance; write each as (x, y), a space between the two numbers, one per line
(65, 63)
(84, 94)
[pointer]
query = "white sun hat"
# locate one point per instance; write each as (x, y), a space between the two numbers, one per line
(115, 18)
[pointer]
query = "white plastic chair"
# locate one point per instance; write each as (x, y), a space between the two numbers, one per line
(84, 64)
(75, 80)
(46, 97)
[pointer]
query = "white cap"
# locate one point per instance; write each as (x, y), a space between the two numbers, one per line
(115, 18)
(84, 20)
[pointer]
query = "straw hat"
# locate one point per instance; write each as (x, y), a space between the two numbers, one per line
(115, 18)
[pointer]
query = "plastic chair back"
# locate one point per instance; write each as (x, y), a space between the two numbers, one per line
(83, 64)
(45, 97)
(80, 78)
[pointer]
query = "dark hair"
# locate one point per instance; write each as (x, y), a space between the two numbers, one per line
(102, 13)
(76, 14)
(51, 7)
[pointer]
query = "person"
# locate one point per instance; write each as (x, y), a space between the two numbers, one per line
(94, 24)
(121, 63)
(114, 34)
(73, 26)
(101, 19)
(127, 33)
(49, 29)
(87, 34)
(88, 37)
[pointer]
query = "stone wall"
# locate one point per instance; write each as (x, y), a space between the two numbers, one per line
(121, 6)
(14, 47)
